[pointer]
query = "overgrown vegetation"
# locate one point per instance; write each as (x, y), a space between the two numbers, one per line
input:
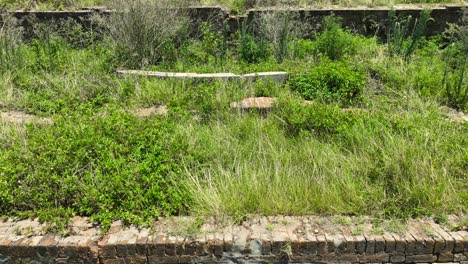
(372, 137)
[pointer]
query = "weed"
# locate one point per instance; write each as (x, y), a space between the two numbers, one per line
(341, 220)
(251, 50)
(335, 42)
(377, 231)
(286, 249)
(331, 82)
(269, 227)
(456, 61)
(10, 39)
(146, 32)
(395, 226)
(278, 30)
(404, 34)
(359, 230)
(187, 228)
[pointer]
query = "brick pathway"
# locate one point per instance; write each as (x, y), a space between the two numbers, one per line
(258, 240)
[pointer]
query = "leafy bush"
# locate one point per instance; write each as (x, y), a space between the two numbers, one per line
(301, 48)
(214, 43)
(251, 50)
(111, 167)
(318, 118)
(331, 81)
(335, 42)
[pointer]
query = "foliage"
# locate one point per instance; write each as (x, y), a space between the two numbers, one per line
(301, 48)
(331, 82)
(278, 30)
(147, 32)
(108, 168)
(317, 118)
(456, 62)
(404, 34)
(10, 39)
(214, 43)
(251, 49)
(335, 42)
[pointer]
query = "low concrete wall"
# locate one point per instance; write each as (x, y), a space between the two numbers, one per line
(258, 240)
(368, 21)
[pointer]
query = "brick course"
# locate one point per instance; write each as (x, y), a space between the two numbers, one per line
(264, 240)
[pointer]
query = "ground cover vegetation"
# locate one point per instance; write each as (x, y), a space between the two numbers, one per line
(373, 137)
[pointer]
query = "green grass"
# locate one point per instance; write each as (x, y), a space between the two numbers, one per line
(393, 153)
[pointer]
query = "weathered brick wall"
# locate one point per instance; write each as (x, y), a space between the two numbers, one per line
(259, 240)
(368, 21)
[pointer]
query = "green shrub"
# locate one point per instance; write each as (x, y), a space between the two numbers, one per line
(251, 50)
(318, 118)
(335, 42)
(115, 166)
(214, 43)
(331, 82)
(301, 48)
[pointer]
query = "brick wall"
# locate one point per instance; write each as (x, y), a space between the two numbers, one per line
(259, 240)
(368, 21)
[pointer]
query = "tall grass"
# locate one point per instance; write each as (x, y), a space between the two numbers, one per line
(405, 33)
(146, 32)
(11, 37)
(456, 63)
(382, 164)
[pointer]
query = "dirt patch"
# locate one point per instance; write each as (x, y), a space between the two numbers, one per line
(149, 111)
(261, 103)
(18, 117)
(454, 115)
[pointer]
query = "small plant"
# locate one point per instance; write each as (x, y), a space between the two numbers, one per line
(404, 34)
(341, 220)
(317, 118)
(377, 231)
(395, 226)
(331, 82)
(301, 48)
(286, 249)
(269, 227)
(214, 43)
(359, 230)
(251, 50)
(187, 228)
(335, 42)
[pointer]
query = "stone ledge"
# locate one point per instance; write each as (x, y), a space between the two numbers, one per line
(263, 239)
(273, 76)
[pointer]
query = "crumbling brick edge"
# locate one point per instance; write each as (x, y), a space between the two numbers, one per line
(259, 240)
